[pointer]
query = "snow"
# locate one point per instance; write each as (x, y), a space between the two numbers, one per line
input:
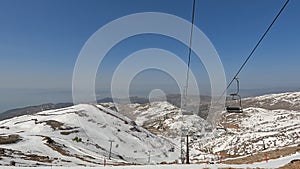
(258, 129)
(254, 130)
(289, 100)
(273, 163)
(96, 125)
(288, 96)
(155, 111)
(257, 126)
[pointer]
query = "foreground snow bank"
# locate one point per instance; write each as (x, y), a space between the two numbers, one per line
(274, 163)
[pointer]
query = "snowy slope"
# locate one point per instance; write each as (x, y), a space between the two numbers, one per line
(287, 101)
(274, 163)
(143, 132)
(47, 137)
(166, 119)
(256, 130)
(237, 135)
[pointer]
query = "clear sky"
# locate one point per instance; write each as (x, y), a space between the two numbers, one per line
(41, 39)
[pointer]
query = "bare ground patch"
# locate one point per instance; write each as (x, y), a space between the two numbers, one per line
(261, 156)
(4, 152)
(34, 157)
(231, 121)
(56, 125)
(10, 139)
(60, 149)
(56, 146)
(68, 132)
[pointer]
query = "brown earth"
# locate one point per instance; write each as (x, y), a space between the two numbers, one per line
(68, 132)
(33, 157)
(261, 156)
(13, 138)
(56, 125)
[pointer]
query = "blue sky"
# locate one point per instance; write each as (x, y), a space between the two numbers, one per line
(40, 41)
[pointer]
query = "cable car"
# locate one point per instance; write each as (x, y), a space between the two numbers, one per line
(235, 96)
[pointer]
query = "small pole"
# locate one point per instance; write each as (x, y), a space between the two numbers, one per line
(264, 146)
(109, 155)
(187, 150)
(149, 157)
(181, 149)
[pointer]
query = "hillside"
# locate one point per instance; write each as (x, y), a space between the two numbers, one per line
(238, 135)
(79, 135)
(286, 101)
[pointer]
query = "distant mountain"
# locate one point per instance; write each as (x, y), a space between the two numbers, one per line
(174, 99)
(105, 100)
(287, 101)
(133, 99)
(32, 110)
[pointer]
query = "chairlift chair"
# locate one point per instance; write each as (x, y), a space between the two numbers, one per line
(235, 96)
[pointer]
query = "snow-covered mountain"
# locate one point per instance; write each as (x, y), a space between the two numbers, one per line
(253, 131)
(151, 132)
(80, 135)
(287, 101)
(237, 135)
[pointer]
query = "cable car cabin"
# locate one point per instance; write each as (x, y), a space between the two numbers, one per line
(235, 108)
(235, 96)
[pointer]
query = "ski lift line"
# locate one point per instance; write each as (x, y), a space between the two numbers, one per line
(255, 47)
(190, 47)
(188, 71)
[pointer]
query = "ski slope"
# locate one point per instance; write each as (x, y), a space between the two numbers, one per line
(275, 163)
(48, 136)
